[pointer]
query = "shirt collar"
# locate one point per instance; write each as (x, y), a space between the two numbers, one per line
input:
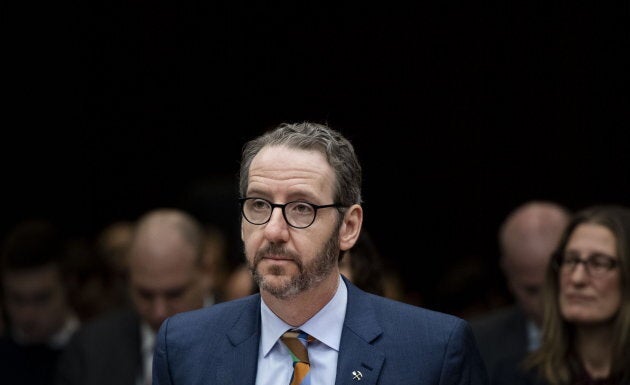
(533, 336)
(325, 326)
(147, 338)
(59, 339)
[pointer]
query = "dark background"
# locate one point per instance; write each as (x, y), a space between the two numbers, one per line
(459, 112)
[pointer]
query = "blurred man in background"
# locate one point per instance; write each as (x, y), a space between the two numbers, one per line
(166, 276)
(527, 239)
(37, 305)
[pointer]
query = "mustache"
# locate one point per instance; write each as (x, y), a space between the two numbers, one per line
(277, 250)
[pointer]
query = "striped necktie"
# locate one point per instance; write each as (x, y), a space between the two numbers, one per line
(296, 341)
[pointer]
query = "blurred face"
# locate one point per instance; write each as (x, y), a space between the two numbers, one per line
(35, 302)
(585, 299)
(526, 276)
(286, 260)
(165, 282)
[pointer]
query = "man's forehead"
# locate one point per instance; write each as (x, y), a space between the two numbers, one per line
(293, 171)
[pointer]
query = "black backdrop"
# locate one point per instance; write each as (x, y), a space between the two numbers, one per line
(458, 111)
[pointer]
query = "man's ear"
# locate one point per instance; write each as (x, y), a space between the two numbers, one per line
(350, 227)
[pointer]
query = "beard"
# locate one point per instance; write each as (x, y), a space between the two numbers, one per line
(309, 275)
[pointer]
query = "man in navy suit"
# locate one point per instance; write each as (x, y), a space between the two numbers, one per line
(301, 208)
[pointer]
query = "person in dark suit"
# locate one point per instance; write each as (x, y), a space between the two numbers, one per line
(35, 278)
(527, 238)
(165, 277)
(301, 209)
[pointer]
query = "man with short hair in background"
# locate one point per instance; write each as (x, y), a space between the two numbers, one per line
(166, 277)
(527, 238)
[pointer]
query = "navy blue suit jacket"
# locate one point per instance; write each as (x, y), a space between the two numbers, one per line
(390, 342)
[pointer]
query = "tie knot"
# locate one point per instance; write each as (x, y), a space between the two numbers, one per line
(296, 341)
(298, 334)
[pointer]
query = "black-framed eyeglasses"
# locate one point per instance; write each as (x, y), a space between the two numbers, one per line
(596, 265)
(298, 214)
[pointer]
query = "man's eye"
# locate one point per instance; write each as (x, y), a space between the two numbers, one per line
(302, 208)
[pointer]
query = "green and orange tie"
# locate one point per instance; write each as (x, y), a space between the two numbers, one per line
(297, 341)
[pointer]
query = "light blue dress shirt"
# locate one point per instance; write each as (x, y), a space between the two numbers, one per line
(274, 361)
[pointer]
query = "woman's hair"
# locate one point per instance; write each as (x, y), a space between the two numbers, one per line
(338, 151)
(556, 359)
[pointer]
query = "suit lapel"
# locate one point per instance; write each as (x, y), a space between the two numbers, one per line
(357, 356)
(127, 358)
(240, 360)
(121, 361)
